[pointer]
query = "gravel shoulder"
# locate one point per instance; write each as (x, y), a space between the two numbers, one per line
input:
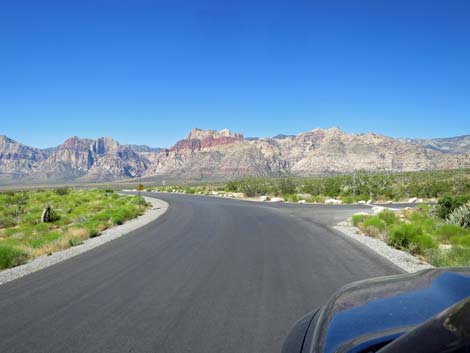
(402, 259)
(158, 208)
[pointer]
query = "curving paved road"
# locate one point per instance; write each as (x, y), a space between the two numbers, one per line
(210, 275)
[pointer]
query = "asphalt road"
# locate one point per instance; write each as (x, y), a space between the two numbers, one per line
(210, 275)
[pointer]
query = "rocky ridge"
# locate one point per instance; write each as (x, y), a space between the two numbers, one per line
(212, 154)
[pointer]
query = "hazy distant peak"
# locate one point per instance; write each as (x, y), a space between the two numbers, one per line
(282, 136)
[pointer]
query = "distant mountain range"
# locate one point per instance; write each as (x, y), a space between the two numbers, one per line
(221, 155)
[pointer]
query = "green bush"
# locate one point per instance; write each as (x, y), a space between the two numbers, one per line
(403, 235)
(11, 256)
(375, 222)
(117, 218)
(75, 242)
(410, 237)
(455, 257)
(62, 191)
(92, 227)
(421, 243)
(389, 217)
(447, 204)
(286, 186)
(190, 191)
(291, 197)
(7, 221)
(358, 218)
(347, 199)
(94, 232)
(361, 198)
(461, 241)
(447, 231)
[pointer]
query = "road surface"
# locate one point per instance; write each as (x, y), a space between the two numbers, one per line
(210, 275)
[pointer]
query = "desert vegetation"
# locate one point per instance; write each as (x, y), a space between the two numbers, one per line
(34, 223)
(350, 188)
(435, 233)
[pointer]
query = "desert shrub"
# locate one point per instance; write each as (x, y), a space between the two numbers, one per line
(410, 237)
(375, 222)
(117, 219)
(94, 232)
(447, 204)
(372, 226)
(447, 231)
(62, 191)
(421, 243)
(347, 199)
(190, 191)
(403, 235)
(352, 199)
(75, 241)
(7, 221)
(461, 241)
(457, 256)
(358, 198)
(11, 256)
(286, 186)
(389, 217)
(93, 228)
(123, 214)
(291, 197)
(460, 216)
(313, 199)
(358, 218)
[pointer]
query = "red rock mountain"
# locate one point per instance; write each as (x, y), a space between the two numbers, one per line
(211, 155)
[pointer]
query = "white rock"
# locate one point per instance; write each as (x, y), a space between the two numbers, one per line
(215, 193)
(333, 202)
(263, 198)
(389, 202)
(301, 201)
(419, 201)
(369, 202)
(277, 199)
(303, 196)
(412, 200)
(362, 202)
(377, 209)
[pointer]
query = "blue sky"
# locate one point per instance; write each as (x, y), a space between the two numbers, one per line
(147, 72)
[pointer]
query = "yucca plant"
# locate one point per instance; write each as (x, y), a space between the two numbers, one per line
(460, 216)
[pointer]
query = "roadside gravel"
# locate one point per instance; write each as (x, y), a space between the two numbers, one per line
(158, 208)
(404, 260)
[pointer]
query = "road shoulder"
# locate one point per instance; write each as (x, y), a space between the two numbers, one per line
(402, 259)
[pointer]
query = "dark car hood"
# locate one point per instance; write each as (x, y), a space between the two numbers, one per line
(379, 310)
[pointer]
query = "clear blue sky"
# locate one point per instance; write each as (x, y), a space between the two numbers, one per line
(148, 71)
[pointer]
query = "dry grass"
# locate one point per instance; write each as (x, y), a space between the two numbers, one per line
(63, 243)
